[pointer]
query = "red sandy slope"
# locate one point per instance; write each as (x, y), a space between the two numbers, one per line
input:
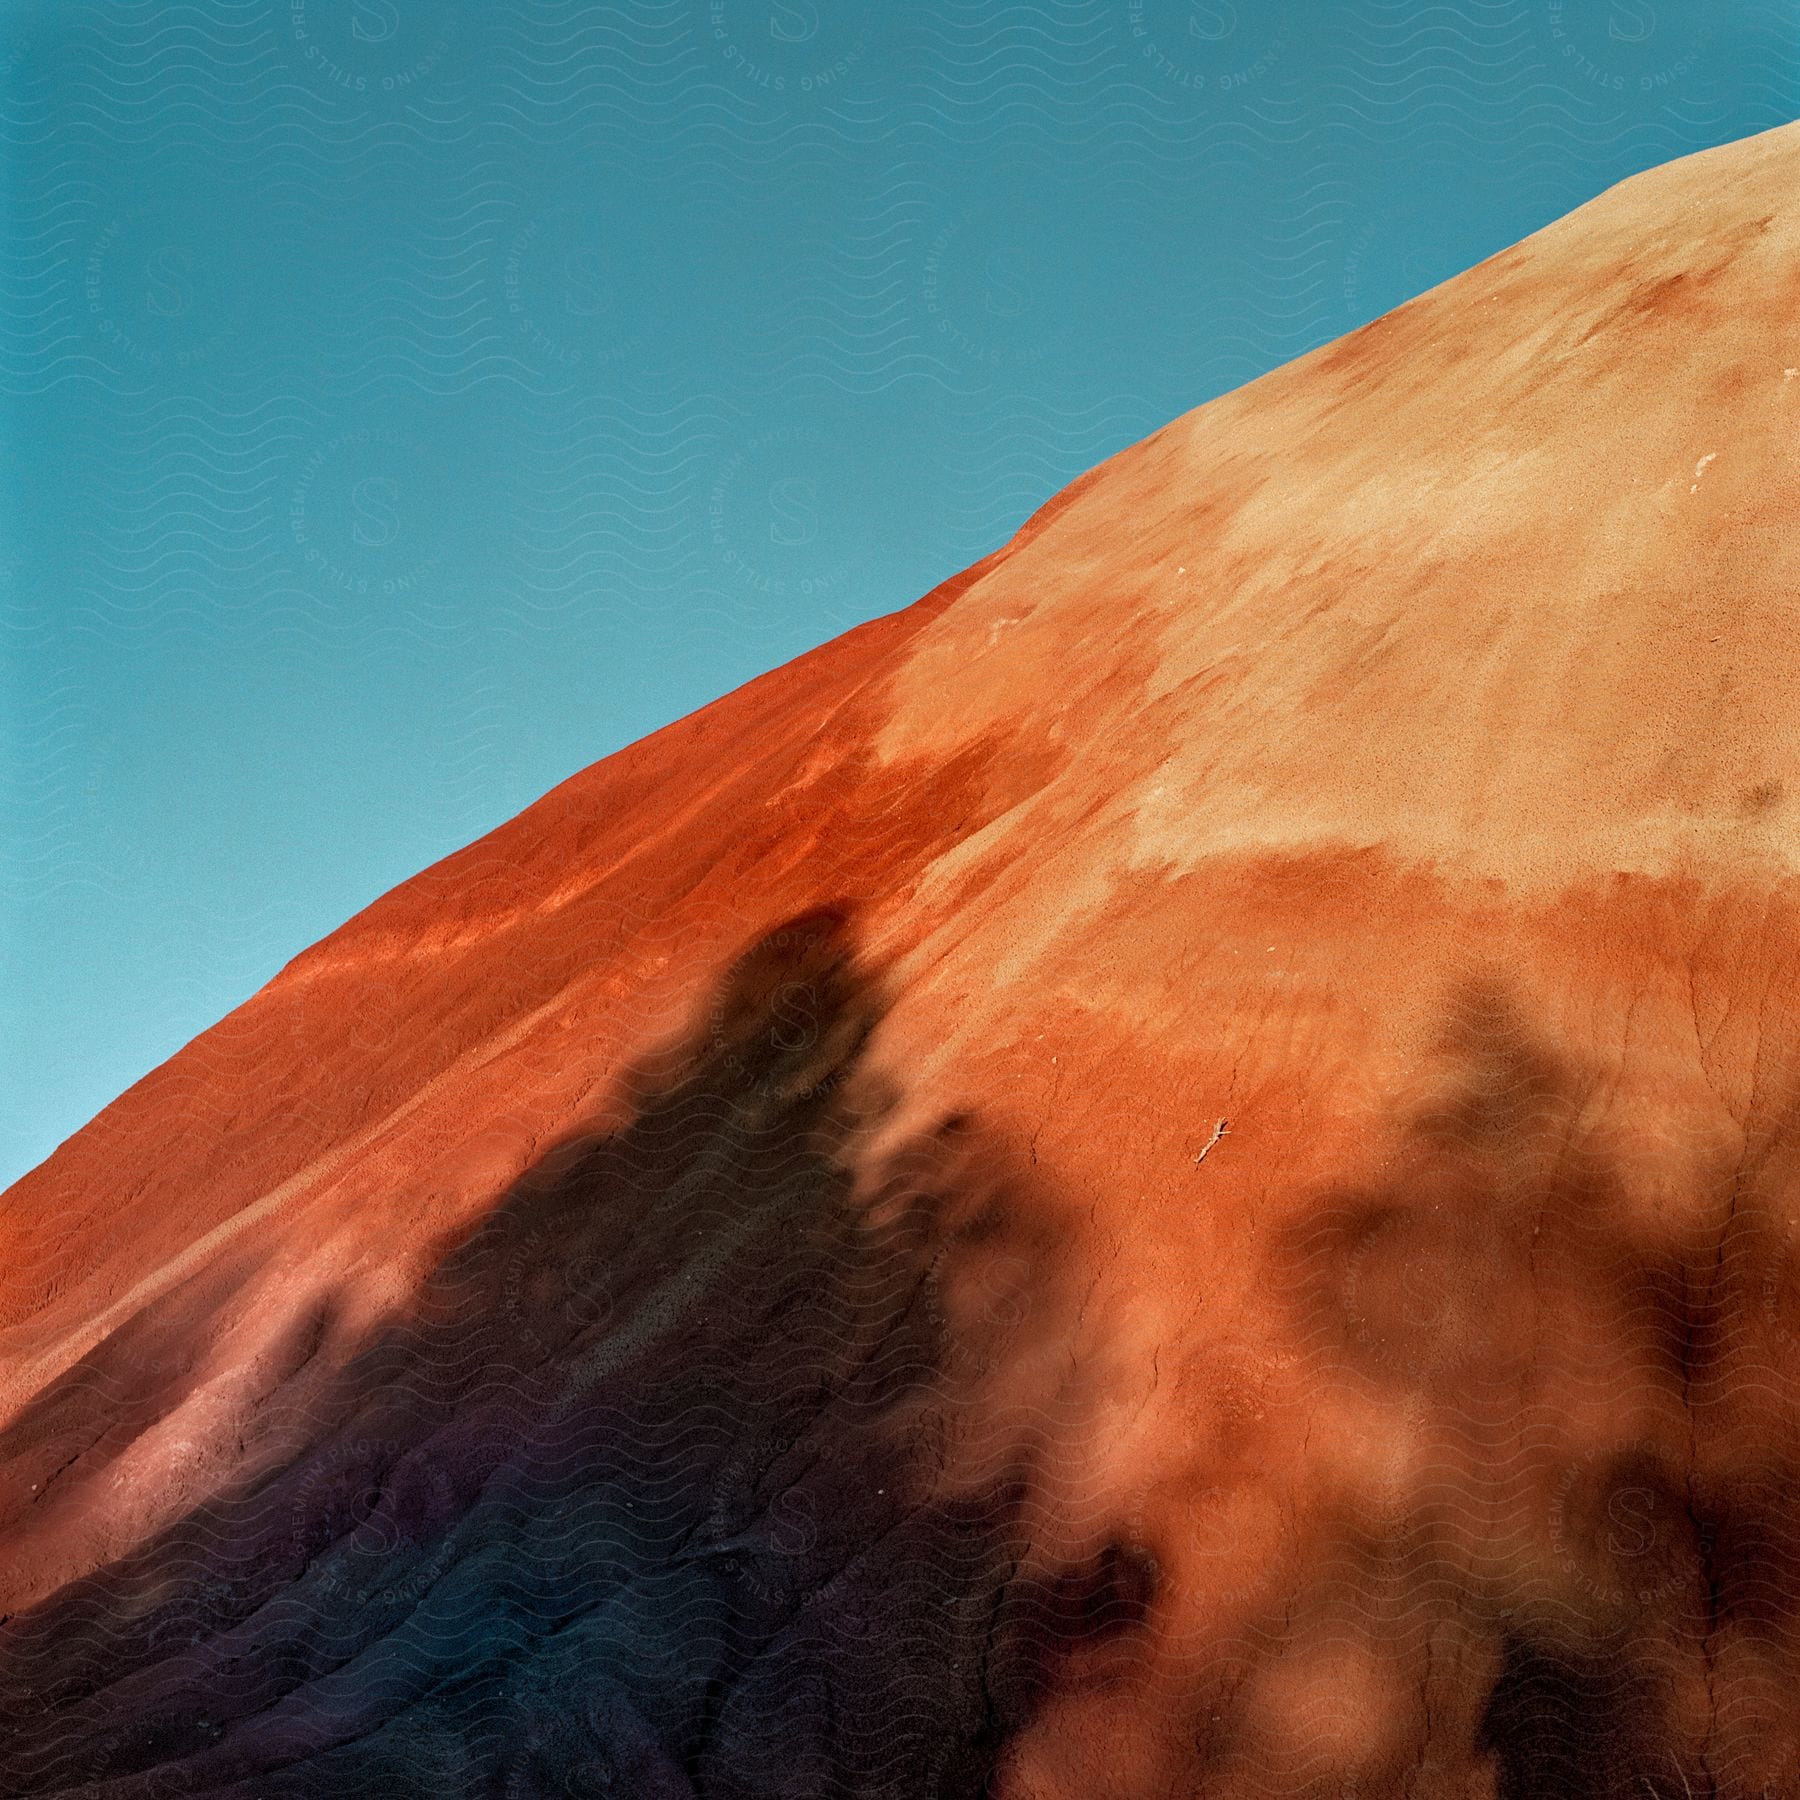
(1342, 851)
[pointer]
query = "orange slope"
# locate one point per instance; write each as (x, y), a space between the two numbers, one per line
(1341, 858)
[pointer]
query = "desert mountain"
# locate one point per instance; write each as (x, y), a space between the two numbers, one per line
(1173, 1172)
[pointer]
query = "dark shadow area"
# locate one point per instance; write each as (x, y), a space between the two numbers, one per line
(1590, 1362)
(660, 1486)
(1571, 1723)
(639, 1499)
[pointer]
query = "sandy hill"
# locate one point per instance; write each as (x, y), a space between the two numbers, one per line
(1170, 1173)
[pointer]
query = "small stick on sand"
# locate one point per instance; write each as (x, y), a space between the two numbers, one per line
(1219, 1131)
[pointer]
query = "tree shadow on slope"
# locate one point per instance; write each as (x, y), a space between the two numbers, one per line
(639, 1498)
(1588, 1574)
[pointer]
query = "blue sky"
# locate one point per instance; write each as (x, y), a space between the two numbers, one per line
(408, 404)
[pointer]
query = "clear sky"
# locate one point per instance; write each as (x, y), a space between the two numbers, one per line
(408, 403)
